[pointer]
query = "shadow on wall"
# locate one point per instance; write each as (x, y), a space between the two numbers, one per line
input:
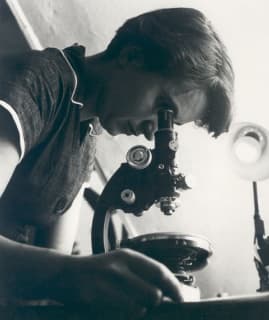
(11, 38)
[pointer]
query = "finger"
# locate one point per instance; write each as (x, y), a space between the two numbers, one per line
(110, 294)
(137, 288)
(156, 273)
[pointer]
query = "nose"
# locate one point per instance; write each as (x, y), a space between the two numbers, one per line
(148, 128)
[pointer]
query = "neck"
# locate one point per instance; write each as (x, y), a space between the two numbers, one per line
(95, 79)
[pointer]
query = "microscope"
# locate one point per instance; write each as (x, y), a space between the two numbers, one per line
(150, 177)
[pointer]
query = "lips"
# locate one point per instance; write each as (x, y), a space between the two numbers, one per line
(146, 130)
(132, 130)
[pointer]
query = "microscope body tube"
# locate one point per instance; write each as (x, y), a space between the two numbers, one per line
(165, 139)
(166, 146)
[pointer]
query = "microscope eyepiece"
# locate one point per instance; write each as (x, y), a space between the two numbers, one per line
(165, 119)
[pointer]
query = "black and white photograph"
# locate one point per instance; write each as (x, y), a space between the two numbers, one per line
(134, 160)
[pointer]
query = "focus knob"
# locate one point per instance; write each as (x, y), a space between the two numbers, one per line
(139, 157)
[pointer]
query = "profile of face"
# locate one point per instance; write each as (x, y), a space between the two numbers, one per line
(133, 97)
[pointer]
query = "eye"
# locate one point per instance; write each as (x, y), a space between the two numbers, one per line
(175, 112)
(165, 102)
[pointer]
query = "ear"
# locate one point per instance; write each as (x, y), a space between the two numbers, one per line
(131, 56)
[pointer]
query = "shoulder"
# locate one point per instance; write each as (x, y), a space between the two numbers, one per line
(47, 63)
(32, 85)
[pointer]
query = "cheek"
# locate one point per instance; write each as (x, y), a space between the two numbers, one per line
(199, 107)
(193, 106)
(131, 101)
(146, 102)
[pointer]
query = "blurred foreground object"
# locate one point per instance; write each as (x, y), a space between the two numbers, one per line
(249, 155)
(248, 151)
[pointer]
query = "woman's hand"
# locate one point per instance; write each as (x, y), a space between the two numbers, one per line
(122, 278)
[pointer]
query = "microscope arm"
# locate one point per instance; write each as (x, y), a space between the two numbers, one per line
(129, 190)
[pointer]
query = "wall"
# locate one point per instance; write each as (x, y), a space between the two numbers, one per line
(11, 37)
(220, 207)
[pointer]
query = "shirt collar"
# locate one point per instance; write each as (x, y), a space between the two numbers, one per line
(75, 58)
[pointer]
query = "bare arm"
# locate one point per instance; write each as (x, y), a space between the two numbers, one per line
(9, 149)
(122, 278)
(21, 266)
(62, 233)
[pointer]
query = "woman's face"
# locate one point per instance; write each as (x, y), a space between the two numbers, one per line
(133, 97)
